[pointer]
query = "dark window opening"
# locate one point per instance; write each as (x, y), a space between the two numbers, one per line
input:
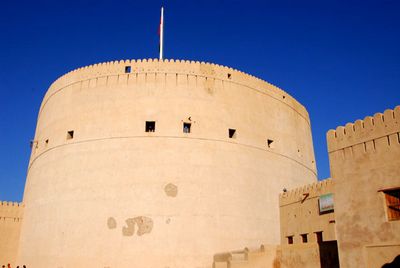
(270, 143)
(319, 237)
(127, 69)
(392, 197)
(70, 135)
(229, 76)
(232, 133)
(304, 238)
(290, 240)
(150, 126)
(186, 127)
(47, 141)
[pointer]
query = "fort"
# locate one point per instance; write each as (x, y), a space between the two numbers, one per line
(169, 163)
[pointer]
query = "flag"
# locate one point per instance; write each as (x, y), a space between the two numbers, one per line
(161, 33)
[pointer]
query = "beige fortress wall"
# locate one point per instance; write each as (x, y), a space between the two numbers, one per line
(117, 196)
(364, 159)
(299, 213)
(10, 226)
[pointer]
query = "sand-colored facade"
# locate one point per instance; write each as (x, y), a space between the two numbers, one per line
(359, 225)
(176, 163)
(11, 214)
(365, 165)
(300, 216)
(101, 191)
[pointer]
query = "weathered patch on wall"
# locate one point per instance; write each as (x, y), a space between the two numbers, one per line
(129, 230)
(145, 225)
(171, 190)
(111, 223)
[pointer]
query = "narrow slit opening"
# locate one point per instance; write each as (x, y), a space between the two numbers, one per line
(186, 127)
(270, 143)
(70, 135)
(232, 133)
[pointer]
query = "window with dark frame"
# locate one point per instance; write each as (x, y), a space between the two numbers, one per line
(232, 133)
(290, 240)
(392, 198)
(150, 126)
(127, 69)
(304, 238)
(186, 127)
(318, 236)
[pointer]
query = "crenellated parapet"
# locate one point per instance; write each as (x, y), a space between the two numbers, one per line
(155, 71)
(379, 132)
(11, 210)
(306, 192)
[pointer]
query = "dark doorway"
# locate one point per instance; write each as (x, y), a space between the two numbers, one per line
(328, 254)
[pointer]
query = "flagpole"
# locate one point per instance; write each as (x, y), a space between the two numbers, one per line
(162, 34)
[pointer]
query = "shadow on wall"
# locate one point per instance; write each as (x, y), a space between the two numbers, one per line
(394, 264)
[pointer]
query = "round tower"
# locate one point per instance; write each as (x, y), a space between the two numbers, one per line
(159, 164)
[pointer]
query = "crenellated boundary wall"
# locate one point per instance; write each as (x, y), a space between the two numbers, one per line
(11, 214)
(156, 71)
(377, 133)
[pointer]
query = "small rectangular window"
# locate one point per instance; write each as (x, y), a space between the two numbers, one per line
(70, 135)
(186, 127)
(290, 240)
(318, 235)
(47, 141)
(392, 198)
(270, 143)
(127, 69)
(150, 126)
(232, 133)
(304, 238)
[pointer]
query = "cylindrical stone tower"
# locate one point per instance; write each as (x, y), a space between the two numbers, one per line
(159, 164)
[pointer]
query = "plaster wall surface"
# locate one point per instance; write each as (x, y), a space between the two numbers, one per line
(365, 159)
(300, 215)
(11, 214)
(113, 195)
(301, 256)
(266, 256)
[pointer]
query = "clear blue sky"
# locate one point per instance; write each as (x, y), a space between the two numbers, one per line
(340, 59)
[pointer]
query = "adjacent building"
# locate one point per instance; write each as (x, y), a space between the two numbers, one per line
(365, 165)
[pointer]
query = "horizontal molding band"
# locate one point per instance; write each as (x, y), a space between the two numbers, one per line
(167, 137)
